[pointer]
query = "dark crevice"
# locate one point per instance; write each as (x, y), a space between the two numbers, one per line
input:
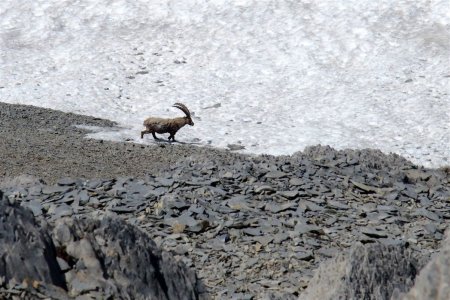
(159, 276)
(56, 273)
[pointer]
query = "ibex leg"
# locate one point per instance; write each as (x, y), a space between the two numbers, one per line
(144, 132)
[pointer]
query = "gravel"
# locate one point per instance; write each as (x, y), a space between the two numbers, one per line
(47, 144)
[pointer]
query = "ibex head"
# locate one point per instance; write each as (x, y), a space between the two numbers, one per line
(186, 112)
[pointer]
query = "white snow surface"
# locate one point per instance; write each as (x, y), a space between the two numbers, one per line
(273, 76)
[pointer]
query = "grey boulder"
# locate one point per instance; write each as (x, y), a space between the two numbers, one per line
(372, 271)
(85, 258)
(433, 281)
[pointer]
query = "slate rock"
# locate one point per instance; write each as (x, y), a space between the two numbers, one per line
(197, 209)
(264, 188)
(425, 201)
(35, 206)
(276, 208)
(34, 190)
(101, 259)
(55, 189)
(199, 226)
(275, 174)
(433, 280)
(426, 213)
(239, 202)
(82, 283)
(337, 204)
(392, 242)
(295, 181)
(415, 175)
(63, 265)
(306, 205)
(388, 209)
(280, 237)
(253, 231)
(156, 192)
(94, 184)
(373, 232)
(166, 182)
(170, 201)
(302, 228)
(307, 256)
(123, 209)
(83, 197)
(288, 194)
(430, 228)
(263, 239)
(373, 271)
(365, 187)
(126, 264)
(27, 250)
(66, 181)
(327, 252)
(62, 210)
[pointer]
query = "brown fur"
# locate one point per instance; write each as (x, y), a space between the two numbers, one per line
(161, 125)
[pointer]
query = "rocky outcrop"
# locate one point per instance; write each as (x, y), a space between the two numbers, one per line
(433, 281)
(109, 258)
(366, 272)
(85, 258)
(28, 256)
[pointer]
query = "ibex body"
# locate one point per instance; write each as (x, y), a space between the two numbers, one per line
(161, 125)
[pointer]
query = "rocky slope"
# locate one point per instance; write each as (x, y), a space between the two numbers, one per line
(250, 226)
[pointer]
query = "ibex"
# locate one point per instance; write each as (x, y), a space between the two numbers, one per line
(161, 125)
